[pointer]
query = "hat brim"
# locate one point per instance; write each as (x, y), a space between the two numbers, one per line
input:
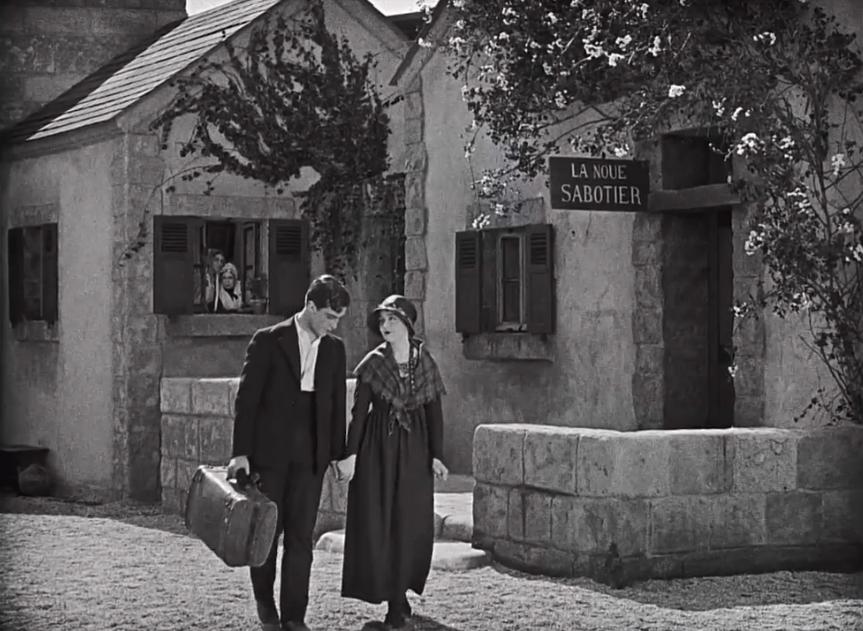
(373, 321)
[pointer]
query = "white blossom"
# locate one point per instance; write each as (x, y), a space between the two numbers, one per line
(857, 253)
(753, 242)
(560, 100)
(838, 162)
(736, 113)
(620, 152)
(623, 42)
(749, 142)
(546, 67)
(656, 48)
(643, 10)
(765, 36)
(614, 59)
(675, 91)
(551, 18)
(424, 43)
(719, 107)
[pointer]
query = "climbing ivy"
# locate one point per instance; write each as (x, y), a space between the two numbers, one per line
(295, 96)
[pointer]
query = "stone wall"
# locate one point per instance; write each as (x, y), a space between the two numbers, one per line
(620, 506)
(48, 46)
(197, 426)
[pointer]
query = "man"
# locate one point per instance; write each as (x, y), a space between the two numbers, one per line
(289, 425)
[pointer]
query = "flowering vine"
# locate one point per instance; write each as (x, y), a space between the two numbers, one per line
(776, 82)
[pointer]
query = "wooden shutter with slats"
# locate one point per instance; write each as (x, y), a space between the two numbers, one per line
(49, 273)
(289, 263)
(468, 253)
(15, 273)
(173, 264)
(540, 279)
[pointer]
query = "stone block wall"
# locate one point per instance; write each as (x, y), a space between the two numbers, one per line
(48, 46)
(622, 506)
(197, 426)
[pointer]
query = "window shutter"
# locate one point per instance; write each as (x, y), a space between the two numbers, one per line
(540, 279)
(49, 273)
(15, 274)
(288, 274)
(173, 265)
(468, 253)
(489, 319)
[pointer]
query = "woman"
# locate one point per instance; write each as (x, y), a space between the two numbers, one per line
(394, 453)
(229, 297)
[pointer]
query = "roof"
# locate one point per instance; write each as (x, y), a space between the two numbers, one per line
(127, 78)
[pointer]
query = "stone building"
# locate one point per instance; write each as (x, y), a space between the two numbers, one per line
(101, 254)
(48, 46)
(624, 319)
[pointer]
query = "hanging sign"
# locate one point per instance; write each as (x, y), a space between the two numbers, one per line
(598, 184)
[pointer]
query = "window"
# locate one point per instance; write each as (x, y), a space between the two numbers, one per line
(32, 260)
(275, 250)
(505, 280)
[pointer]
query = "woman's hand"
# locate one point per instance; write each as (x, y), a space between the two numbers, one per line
(346, 468)
(439, 469)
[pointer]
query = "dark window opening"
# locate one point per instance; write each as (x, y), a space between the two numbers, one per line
(221, 265)
(33, 273)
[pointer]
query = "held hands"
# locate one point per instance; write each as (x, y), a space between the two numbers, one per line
(237, 463)
(439, 469)
(345, 469)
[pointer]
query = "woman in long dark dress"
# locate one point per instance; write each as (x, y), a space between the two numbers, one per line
(395, 445)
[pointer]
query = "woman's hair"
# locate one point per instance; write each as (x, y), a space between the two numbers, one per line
(327, 291)
(230, 267)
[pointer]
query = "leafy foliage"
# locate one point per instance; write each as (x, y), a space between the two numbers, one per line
(775, 82)
(294, 97)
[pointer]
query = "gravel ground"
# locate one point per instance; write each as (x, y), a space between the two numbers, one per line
(119, 566)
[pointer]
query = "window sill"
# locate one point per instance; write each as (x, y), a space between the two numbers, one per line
(218, 324)
(36, 331)
(508, 346)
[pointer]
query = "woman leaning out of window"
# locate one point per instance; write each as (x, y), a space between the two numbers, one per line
(229, 297)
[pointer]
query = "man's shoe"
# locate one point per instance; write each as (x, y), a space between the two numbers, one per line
(295, 626)
(268, 615)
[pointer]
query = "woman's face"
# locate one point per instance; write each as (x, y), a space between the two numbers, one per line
(218, 262)
(228, 280)
(392, 328)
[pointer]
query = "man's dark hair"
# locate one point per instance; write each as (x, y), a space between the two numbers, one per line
(328, 291)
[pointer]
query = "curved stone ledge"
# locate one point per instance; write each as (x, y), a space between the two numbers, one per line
(620, 506)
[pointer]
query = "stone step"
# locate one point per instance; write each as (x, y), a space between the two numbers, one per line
(453, 516)
(451, 556)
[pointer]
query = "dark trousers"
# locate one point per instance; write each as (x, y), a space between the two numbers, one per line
(297, 493)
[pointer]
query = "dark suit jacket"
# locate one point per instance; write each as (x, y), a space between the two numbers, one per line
(269, 388)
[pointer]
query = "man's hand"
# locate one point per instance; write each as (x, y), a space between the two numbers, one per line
(439, 469)
(346, 468)
(237, 463)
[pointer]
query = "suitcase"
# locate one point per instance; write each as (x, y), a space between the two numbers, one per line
(234, 519)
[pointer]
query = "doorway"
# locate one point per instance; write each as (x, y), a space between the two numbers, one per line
(697, 278)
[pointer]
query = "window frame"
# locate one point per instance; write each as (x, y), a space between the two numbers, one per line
(479, 280)
(169, 299)
(500, 323)
(45, 279)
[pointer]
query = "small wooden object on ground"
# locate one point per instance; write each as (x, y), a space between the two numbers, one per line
(232, 517)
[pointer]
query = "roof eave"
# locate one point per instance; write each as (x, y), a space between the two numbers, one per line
(55, 143)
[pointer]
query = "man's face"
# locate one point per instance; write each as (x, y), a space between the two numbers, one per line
(323, 320)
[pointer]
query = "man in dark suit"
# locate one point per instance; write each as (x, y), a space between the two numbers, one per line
(289, 426)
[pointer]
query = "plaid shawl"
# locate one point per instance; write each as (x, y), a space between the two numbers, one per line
(422, 385)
